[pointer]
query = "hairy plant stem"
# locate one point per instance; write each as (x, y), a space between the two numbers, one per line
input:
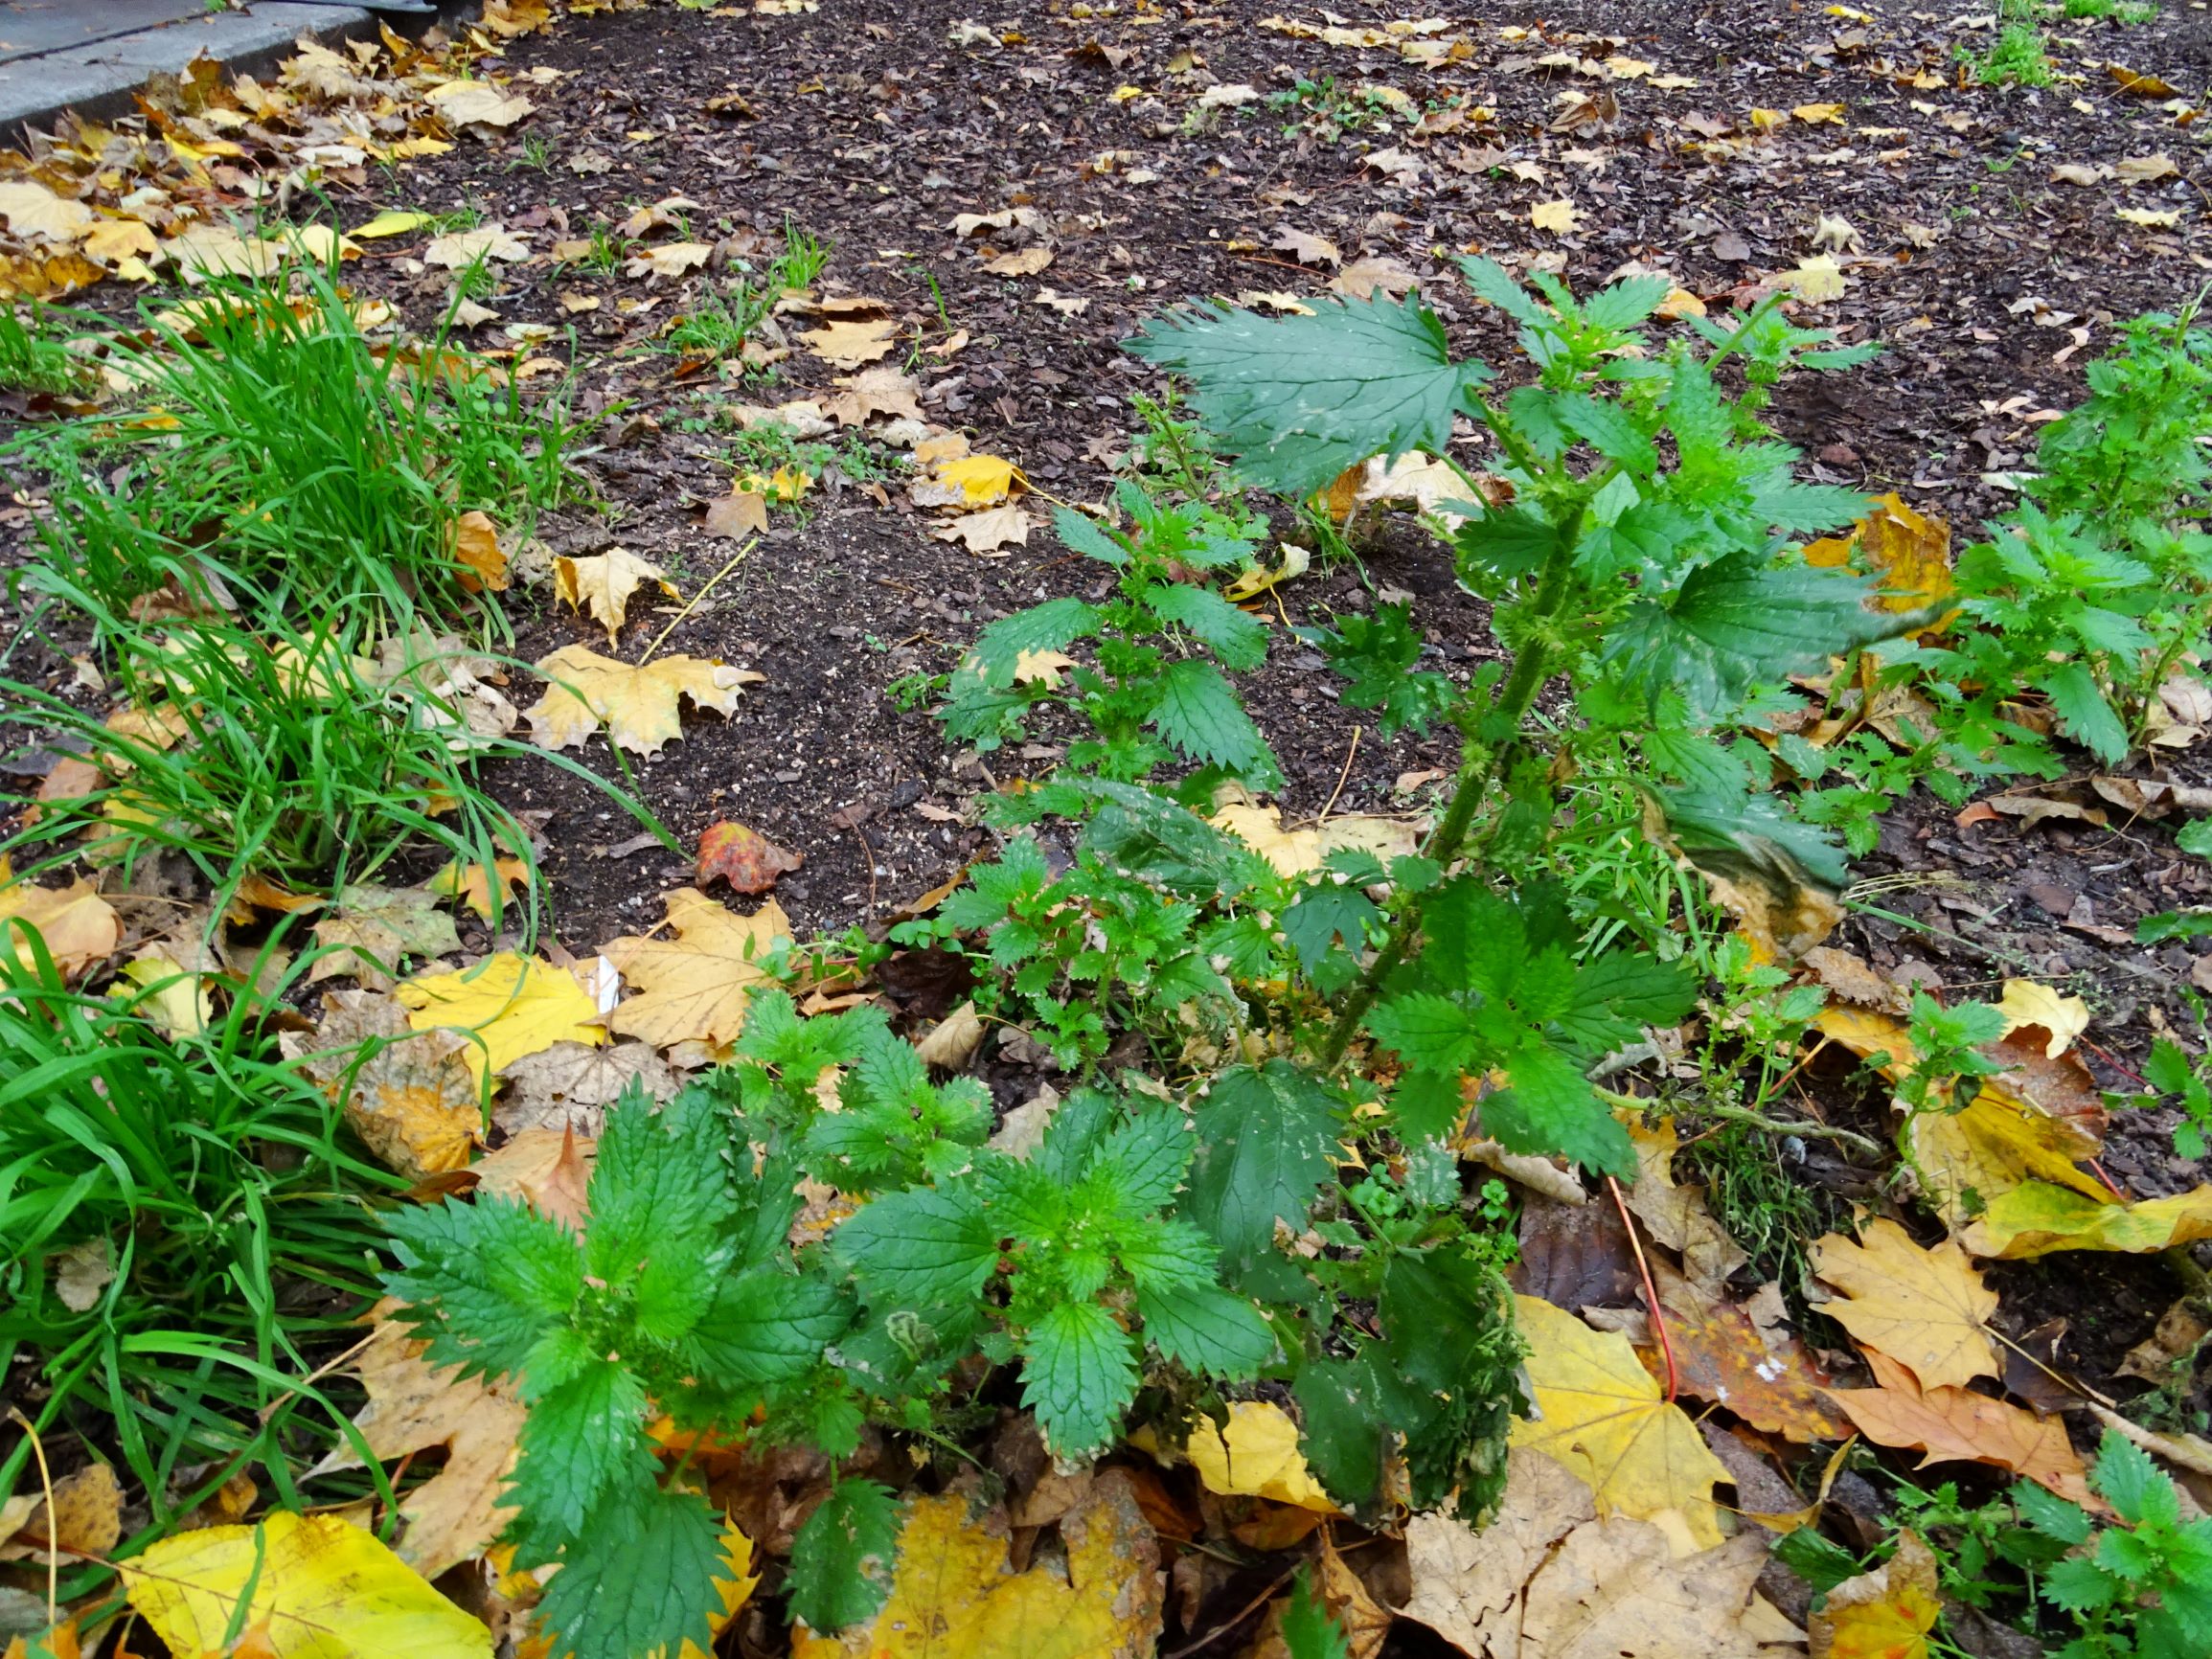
(1532, 666)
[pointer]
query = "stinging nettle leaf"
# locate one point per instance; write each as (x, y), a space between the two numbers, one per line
(1079, 1373)
(842, 1556)
(1264, 1137)
(1298, 400)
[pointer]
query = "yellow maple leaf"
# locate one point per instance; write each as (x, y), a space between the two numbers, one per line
(1909, 550)
(695, 987)
(1885, 1614)
(1560, 215)
(638, 705)
(981, 479)
(1927, 1309)
(1606, 1420)
(322, 1588)
(515, 1004)
(954, 1591)
(1819, 114)
(470, 885)
(2038, 1218)
(2026, 1002)
(1969, 1158)
(1258, 1456)
(603, 585)
(849, 343)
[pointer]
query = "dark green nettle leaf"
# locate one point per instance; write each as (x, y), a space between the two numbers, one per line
(1747, 838)
(1735, 622)
(921, 1247)
(1298, 400)
(1082, 535)
(1239, 640)
(483, 1282)
(649, 1586)
(1079, 1372)
(1340, 1402)
(1208, 1330)
(1202, 716)
(1265, 1136)
(1551, 1108)
(766, 1327)
(2085, 712)
(1043, 627)
(842, 1557)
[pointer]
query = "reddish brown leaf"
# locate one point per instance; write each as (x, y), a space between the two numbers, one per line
(745, 858)
(1764, 1377)
(1958, 1425)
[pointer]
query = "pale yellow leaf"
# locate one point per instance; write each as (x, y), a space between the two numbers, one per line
(638, 706)
(322, 1589)
(695, 987)
(392, 222)
(603, 584)
(512, 1005)
(1560, 215)
(1606, 1421)
(1927, 1309)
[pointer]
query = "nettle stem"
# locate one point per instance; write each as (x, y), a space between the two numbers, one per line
(1532, 666)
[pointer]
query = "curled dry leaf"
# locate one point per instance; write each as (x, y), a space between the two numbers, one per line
(604, 584)
(955, 1590)
(1677, 1215)
(637, 705)
(1927, 1309)
(1885, 1614)
(1548, 1578)
(456, 1514)
(2038, 1218)
(1958, 1425)
(1908, 550)
(86, 1518)
(477, 104)
(548, 1170)
(668, 260)
(952, 1043)
(694, 986)
(476, 549)
(2062, 1018)
(744, 858)
(76, 927)
(1605, 1420)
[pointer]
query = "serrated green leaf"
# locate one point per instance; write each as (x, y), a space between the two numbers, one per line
(1340, 1402)
(1625, 303)
(583, 1443)
(1208, 1330)
(1309, 1632)
(1142, 1162)
(1049, 626)
(1165, 1255)
(2050, 1514)
(648, 1585)
(764, 1326)
(842, 1557)
(2079, 1585)
(2085, 713)
(1201, 716)
(1550, 1109)
(1079, 1373)
(661, 1206)
(1617, 995)
(1426, 1105)
(1735, 622)
(1609, 429)
(1298, 400)
(2126, 1478)
(1083, 535)
(1431, 1031)
(1264, 1137)
(1239, 640)
(483, 1282)
(1320, 916)
(919, 1247)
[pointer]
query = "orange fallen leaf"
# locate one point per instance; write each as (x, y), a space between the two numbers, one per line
(744, 858)
(1958, 1425)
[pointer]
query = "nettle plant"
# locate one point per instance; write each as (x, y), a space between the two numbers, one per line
(2099, 587)
(1290, 1210)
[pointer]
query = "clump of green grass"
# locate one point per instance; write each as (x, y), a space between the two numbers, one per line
(2130, 12)
(32, 359)
(218, 1230)
(722, 320)
(316, 469)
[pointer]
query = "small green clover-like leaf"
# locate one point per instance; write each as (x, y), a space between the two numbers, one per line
(842, 1557)
(1079, 1373)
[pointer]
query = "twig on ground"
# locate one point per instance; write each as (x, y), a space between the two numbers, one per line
(698, 599)
(1650, 1291)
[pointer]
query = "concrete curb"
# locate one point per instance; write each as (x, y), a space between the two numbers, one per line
(97, 79)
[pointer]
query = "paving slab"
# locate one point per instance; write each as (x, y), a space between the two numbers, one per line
(57, 55)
